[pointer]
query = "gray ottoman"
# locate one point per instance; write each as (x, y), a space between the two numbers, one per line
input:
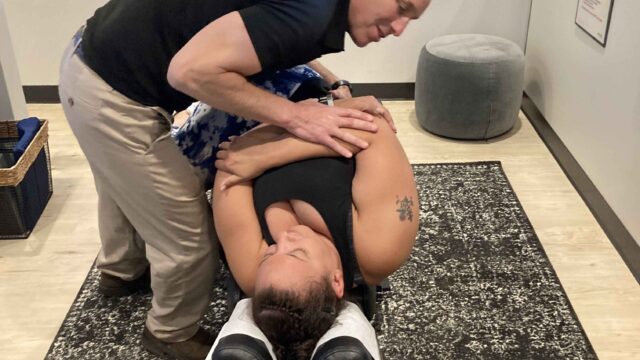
(469, 86)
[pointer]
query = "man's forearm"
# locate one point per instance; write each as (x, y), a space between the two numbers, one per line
(213, 65)
(326, 74)
(232, 93)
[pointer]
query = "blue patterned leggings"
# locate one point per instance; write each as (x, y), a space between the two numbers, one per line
(206, 128)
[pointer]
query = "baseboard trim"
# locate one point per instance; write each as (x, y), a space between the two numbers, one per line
(386, 91)
(41, 94)
(615, 230)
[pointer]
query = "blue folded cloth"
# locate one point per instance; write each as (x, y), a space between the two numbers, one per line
(27, 129)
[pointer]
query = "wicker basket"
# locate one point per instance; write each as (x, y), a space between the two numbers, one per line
(25, 188)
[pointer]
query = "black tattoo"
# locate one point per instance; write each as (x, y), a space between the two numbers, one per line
(405, 208)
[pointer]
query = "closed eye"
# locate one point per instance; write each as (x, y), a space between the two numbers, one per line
(300, 254)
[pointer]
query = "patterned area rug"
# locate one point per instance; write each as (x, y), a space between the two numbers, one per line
(478, 285)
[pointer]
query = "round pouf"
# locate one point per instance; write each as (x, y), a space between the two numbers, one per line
(469, 86)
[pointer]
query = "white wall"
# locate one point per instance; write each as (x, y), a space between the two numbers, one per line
(12, 104)
(41, 29)
(591, 96)
(395, 59)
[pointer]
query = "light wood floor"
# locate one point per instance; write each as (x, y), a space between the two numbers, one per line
(40, 276)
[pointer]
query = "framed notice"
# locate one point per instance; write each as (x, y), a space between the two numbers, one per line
(593, 17)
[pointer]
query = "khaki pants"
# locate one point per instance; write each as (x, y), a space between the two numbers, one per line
(152, 206)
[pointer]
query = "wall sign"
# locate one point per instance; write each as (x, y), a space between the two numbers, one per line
(593, 17)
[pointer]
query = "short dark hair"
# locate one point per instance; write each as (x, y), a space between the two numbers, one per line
(294, 322)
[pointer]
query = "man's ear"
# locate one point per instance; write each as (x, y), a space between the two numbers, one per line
(337, 283)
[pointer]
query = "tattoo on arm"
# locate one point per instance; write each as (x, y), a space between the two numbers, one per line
(405, 208)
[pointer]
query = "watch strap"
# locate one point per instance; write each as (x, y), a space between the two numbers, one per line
(339, 83)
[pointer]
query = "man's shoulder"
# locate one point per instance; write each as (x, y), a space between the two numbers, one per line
(317, 9)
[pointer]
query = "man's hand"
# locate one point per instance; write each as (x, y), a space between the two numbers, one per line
(368, 104)
(322, 124)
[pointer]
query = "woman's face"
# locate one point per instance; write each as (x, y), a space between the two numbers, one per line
(299, 257)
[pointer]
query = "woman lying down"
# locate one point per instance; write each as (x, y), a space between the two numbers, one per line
(299, 225)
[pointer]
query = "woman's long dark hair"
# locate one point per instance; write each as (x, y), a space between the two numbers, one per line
(294, 322)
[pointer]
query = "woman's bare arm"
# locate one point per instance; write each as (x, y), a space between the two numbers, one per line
(386, 203)
(238, 230)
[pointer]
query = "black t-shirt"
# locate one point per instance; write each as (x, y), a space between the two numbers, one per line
(130, 43)
(325, 184)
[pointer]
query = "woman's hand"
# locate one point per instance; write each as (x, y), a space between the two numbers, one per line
(248, 156)
(241, 158)
(370, 105)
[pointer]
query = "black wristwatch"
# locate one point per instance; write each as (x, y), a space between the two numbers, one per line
(339, 83)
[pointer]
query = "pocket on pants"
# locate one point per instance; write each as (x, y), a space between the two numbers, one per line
(171, 171)
(79, 84)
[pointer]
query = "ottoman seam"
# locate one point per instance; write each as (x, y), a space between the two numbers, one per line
(490, 91)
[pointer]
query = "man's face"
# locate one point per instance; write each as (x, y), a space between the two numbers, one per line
(372, 20)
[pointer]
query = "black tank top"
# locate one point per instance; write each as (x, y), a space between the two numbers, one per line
(324, 183)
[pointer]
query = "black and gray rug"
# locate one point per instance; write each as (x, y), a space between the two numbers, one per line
(478, 285)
